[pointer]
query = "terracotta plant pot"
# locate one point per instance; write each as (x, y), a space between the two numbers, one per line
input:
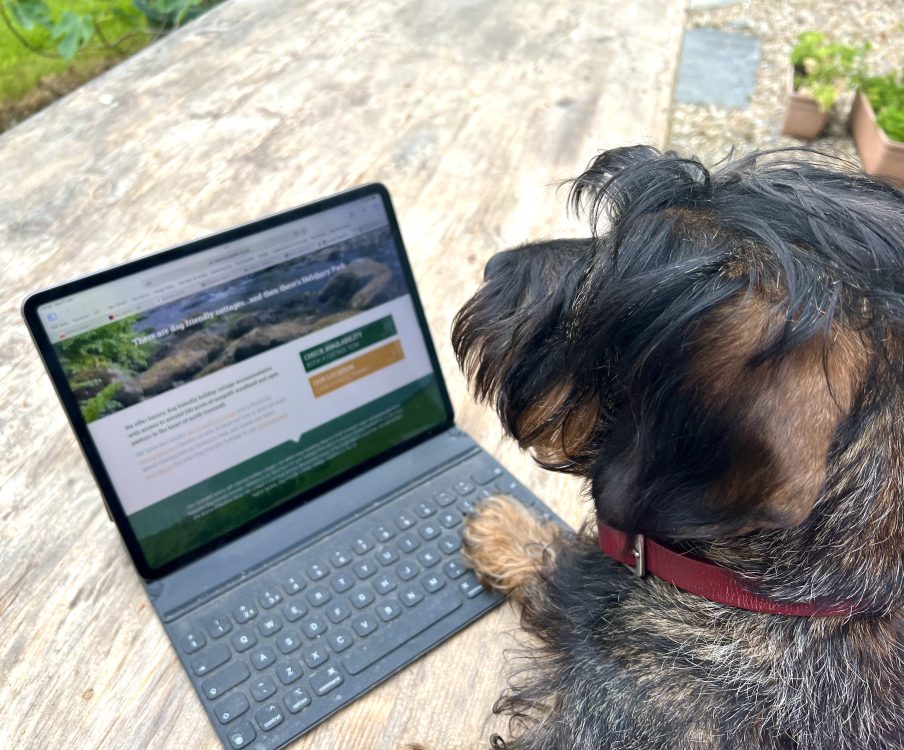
(803, 117)
(881, 156)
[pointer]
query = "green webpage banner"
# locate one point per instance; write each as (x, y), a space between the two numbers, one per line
(228, 500)
(348, 343)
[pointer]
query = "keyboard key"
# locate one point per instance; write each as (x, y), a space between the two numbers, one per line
(361, 598)
(410, 597)
(388, 611)
(429, 531)
(405, 629)
(342, 582)
(406, 571)
(361, 546)
(288, 642)
(385, 584)
(216, 655)
(241, 735)
(364, 625)
(428, 557)
(387, 556)
(454, 569)
(405, 521)
(243, 613)
(295, 611)
(289, 671)
(340, 639)
(218, 626)
(269, 625)
(365, 569)
(315, 656)
(470, 586)
(449, 544)
(383, 533)
(269, 598)
(449, 519)
(297, 700)
(293, 584)
(464, 488)
(269, 717)
(225, 679)
(231, 708)
(338, 612)
(263, 657)
(262, 688)
(486, 474)
(444, 498)
(316, 571)
(432, 583)
(192, 641)
(314, 627)
(244, 640)
(318, 595)
(507, 486)
(326, 680)
(424, 510)
(466, 506)
(408, 543)
(341, 557)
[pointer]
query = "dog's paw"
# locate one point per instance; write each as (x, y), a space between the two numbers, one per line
(507, 545)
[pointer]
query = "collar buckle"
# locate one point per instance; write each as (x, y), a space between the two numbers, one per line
(639, 568)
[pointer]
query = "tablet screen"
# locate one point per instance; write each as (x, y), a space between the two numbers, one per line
(219, 386)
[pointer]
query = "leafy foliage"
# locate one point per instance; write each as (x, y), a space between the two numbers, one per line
(72, 30)
(824, 69)
(108, 346)
(95, 406)
(886, 95)
(89, 358)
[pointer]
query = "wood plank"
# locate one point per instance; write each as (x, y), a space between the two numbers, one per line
(471, 112)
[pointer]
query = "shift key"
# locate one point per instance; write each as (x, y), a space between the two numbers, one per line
(401, 631)
(225, 680)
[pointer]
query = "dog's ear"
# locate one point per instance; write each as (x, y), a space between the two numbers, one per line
(743, 440)
(721, 327)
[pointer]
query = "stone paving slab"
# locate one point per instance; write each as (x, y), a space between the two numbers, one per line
(717, 67)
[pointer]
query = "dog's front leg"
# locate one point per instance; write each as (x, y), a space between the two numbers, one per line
(507, 545)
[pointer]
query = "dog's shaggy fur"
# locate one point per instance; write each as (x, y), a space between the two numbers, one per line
(723, 361)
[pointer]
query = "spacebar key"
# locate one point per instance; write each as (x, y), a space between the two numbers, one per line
(401, 631)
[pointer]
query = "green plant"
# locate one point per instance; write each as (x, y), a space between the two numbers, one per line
(886, 95)
(95, 406)
(824, 69)
(111, 345)
(71, 30)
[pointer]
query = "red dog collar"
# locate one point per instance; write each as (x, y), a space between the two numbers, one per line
(706, 579)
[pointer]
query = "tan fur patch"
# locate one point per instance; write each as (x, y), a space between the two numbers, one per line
(785, 414)
(554, 430)
(507, 545)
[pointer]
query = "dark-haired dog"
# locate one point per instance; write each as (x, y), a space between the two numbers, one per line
(723, 362)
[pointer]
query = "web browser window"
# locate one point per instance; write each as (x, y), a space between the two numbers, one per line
(220, 386)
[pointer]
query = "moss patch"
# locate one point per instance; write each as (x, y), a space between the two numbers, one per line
(30, 81)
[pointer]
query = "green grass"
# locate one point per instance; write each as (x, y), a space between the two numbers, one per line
(21, 69)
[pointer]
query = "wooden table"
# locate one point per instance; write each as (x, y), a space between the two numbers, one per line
(470, 111)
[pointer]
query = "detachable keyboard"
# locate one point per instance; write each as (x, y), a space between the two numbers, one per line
(276, 655)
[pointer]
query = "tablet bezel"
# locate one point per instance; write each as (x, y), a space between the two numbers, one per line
(61, 385)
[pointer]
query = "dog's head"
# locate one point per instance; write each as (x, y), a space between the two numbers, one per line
(696, 357)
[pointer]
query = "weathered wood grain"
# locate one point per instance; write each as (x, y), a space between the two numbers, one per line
(470, 111)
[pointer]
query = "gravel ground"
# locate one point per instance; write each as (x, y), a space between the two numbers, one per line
(709, 131)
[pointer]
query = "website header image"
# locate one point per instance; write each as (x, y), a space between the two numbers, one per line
(162, 283)
(148, 353)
